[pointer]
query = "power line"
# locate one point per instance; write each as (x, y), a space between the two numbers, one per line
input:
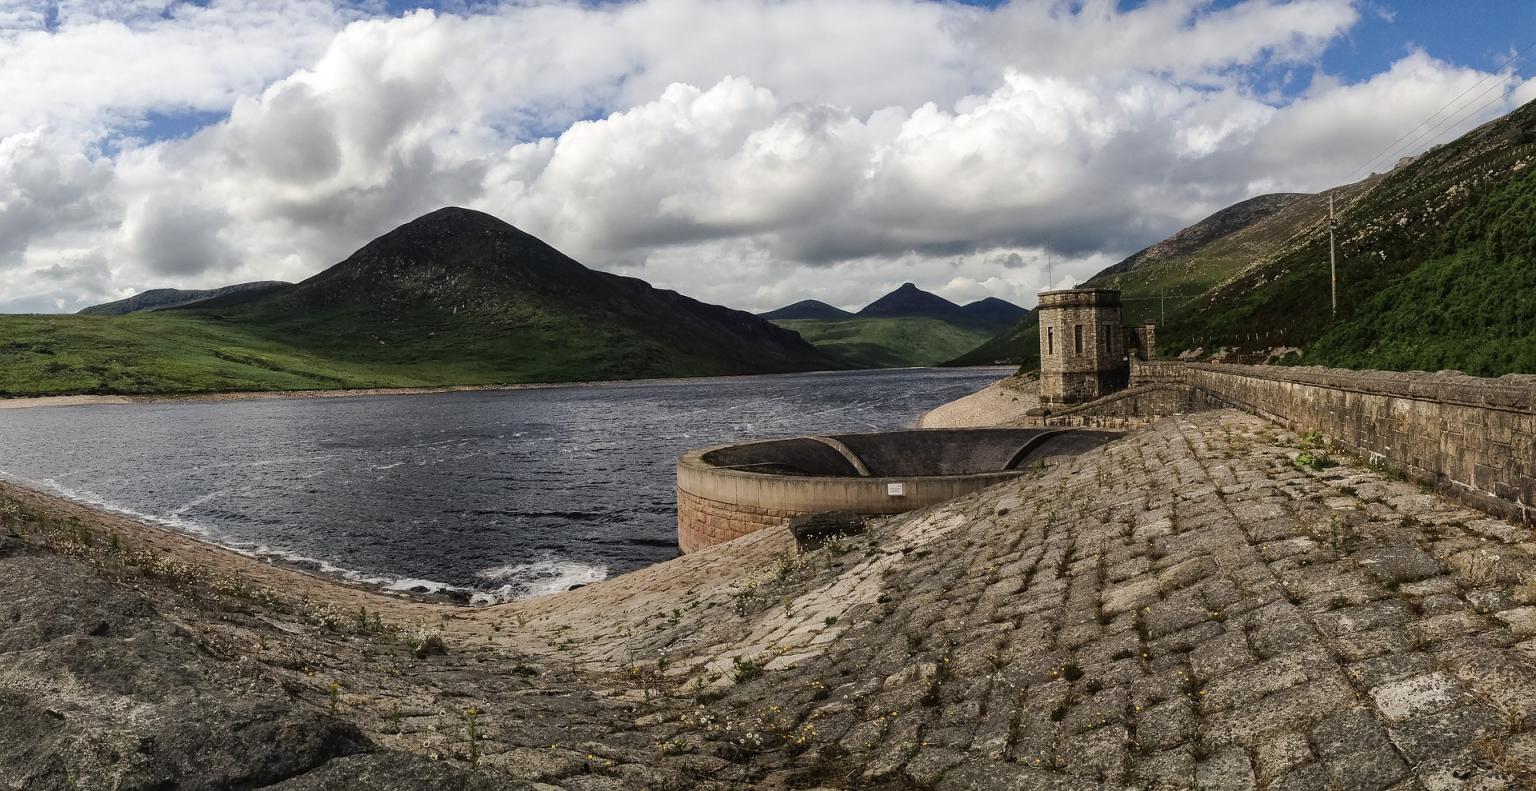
(1454, 120)
(1512, 58)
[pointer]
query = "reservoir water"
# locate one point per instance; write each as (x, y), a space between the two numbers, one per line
(500, 494)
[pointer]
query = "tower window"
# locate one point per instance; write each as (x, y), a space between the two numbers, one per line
(1077, 339)
(1109, 339)
(1050, 340)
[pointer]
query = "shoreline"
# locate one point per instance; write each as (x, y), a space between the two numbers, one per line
(28, 402)
(273, 570)
(1007, 399)
(133, 534)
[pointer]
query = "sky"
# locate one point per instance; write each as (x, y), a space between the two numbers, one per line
(750, 153)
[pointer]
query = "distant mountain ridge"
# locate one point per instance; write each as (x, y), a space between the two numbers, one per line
(994, 312)
(807, 309)
(909, 301)
(163, 298)
(906, 327)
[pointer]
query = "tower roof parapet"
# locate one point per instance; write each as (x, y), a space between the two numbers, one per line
(1081, 298)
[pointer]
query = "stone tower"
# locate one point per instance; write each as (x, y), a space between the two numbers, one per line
(1082, 345)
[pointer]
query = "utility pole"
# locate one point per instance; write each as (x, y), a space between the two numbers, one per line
(1162, 306)
(1333, 259)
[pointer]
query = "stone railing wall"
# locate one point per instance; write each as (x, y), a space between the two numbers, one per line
(1146, 373)
(1474, 438)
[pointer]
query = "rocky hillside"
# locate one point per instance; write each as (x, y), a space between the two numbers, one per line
(1422, 250)
(162, 298)
(1435, 263)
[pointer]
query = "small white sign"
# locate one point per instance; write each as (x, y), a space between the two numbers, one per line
(896, 489)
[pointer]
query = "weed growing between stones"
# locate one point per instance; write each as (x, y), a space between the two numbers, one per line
(786, 568)
(676, 746)
(1314, 461)
(744, 670)
(471, 715)
(426, 642)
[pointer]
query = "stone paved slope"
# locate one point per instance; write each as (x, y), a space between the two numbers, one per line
(1183, 608)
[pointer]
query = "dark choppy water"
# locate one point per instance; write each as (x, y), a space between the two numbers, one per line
(510, 493)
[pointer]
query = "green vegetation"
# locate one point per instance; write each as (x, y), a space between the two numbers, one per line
(1471, 306)
(888, 342)
(744, 670)
(453, 298)
(1435, 269)
(179, 353)
(1019, 346)
(1314, 461)
(163, 353)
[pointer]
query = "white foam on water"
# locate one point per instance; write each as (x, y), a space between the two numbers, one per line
(405, 585)
(89, 497)
(179, 510)
(539, 578)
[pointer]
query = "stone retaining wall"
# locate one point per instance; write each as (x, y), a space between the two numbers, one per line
(1471, 437)
(702, 522)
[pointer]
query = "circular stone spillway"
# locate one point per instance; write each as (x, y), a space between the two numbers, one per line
(728, 491)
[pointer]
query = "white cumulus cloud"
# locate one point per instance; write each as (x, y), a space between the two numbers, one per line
(750, 153)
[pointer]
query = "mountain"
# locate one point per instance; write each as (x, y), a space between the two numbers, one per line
(807, 309)
(162, 298)
(994, 312)
(1435, 262)
(454, 297)
(907, 327)
(1436, 268)
(462, 286)
(1018, 345)
(888, 342)
(909, 301)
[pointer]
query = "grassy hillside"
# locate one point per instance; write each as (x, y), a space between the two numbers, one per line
(163, 298)
(1408, 242)
(1018, 346)
(455, 297)
(888, 342)
(173, 352)
(1155, 282)
(164, 353)
(1470, 306)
